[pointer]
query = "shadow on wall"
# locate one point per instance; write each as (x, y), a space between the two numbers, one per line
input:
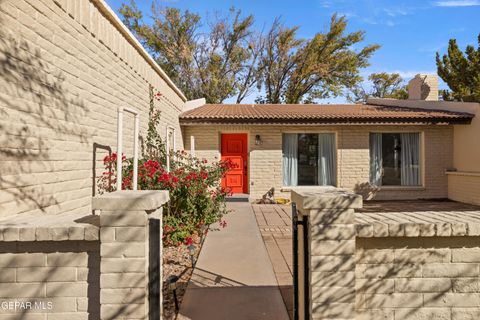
(413, 270)
(49, 272)
(37, 114)
(381, 269)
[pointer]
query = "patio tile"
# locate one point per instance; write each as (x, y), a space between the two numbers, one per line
(277, 236)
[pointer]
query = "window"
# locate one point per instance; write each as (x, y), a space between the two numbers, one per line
(309, 159)
(395, 159)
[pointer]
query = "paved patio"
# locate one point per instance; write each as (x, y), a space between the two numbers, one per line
(376, 218)
(275, 224)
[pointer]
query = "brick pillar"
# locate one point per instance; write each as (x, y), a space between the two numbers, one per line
(124, 251)
(331, 245)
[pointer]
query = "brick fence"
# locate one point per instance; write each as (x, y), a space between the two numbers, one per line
(81, 267)
(389, 266)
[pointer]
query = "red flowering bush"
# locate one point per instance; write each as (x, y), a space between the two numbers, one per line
(197, 198)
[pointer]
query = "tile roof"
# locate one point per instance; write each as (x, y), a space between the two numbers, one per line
(318, 114)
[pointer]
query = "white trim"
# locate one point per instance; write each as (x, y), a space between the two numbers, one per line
(463, 173)
(167, 144)
(136, 129)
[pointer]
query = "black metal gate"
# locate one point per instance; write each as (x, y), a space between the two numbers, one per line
(154, 285)
(301, 263)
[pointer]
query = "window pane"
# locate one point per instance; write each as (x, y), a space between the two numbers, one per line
(391, 154)
(307, 159)
(395, 159)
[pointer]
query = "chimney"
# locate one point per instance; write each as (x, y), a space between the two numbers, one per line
(423, 87)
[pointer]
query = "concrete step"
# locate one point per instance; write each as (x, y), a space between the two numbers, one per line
(238, 197)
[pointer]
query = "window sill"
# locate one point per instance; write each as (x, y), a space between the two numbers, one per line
(383, 188)
(402, 188)
(316, 188)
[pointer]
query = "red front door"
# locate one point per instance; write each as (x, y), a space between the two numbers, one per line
(234, 147)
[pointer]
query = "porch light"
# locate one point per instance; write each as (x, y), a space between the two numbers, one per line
(191, 252)
(258, 140)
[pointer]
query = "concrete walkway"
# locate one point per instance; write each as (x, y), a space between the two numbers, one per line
(234, 278)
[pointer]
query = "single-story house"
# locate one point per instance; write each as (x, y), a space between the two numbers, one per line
(379, 150)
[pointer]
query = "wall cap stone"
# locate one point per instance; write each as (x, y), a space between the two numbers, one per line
(417, 224)
(130, 200)
(325, 198)
(49, 227)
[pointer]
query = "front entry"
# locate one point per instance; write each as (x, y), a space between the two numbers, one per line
(234, 147)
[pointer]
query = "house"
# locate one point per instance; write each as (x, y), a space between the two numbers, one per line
(385, 149)
(66, 69)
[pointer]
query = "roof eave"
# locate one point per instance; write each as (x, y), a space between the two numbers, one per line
(330, 121)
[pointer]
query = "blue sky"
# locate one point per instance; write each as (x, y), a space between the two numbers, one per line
(409, 31)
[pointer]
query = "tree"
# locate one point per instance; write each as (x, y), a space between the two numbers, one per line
(384, 85)
(277, 61)
(216, 62)
(461, 72)
(223, 57)
(301, 71)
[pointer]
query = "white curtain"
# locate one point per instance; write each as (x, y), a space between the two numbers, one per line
(410, 157)
(376, 159)
(327, 160)
(290, 159)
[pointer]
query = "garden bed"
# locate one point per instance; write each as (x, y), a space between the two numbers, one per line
(177, 261)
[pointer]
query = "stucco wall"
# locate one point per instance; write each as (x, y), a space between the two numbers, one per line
(464, 186)
(265, 160)
(65, 67)
(466, 145)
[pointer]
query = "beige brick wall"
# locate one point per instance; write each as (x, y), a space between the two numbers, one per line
(464, 187)
(64, 69)
(265, 160)
(124, 261)
(62, 277)
(418, 278)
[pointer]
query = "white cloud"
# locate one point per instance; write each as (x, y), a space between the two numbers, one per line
(405, 74)
(457, 3)
(396, 11)
(409, 74)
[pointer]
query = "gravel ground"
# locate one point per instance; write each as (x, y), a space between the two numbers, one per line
(176, 261)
